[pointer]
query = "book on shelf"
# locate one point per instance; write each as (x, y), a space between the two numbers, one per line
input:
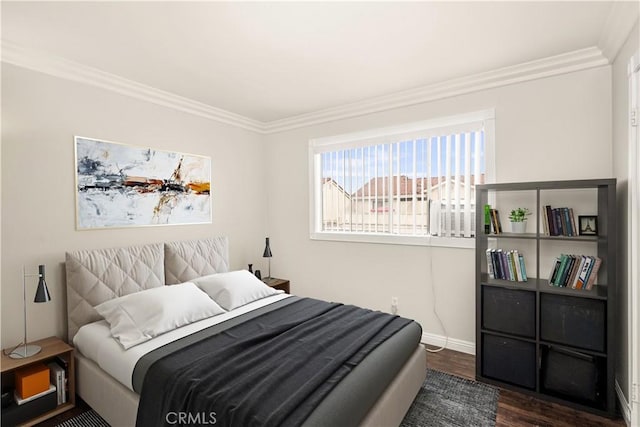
(58, 376)
(490, 267)
(554, 270)
(506, 265)
(574, 271)
(65, 364)
(516, 264)
(594, 273)
(574, 283)
(495, 221)
(522, 267)
(20, 401)
(559, 221)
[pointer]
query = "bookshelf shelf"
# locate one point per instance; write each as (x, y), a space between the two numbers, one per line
(576, 239)
(512, 236)
(556, 343)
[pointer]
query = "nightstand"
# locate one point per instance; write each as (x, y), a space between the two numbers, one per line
(51, 347)
(281, 284)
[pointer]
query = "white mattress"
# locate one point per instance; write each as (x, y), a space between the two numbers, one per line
(94, 341)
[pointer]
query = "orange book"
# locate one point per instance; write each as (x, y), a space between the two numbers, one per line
(32, 380)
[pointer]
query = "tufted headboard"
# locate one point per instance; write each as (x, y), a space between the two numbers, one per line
(96, 276)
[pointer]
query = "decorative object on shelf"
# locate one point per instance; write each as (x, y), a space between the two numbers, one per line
(487, 219)
(518, 217)
(120, 185)
(251, 268)
(23, 349)
(588, 225)
(267, 254)
(258, 274)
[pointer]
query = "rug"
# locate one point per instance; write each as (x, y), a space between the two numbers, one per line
(449, 401)
(443, 401)
(87, 419)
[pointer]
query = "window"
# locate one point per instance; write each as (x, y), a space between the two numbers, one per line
(410, 184)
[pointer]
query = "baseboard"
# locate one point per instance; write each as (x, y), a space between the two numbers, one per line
(624, 405)
(450, 343)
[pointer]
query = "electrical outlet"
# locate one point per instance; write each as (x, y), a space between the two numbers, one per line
(394, 305)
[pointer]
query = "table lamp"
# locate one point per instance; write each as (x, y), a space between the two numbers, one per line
(23, 349)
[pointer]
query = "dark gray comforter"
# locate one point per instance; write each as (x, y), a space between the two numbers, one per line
(269, 368)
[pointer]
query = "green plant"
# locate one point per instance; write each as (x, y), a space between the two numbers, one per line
(519, 214)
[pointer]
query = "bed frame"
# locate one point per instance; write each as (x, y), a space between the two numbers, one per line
(96, 276)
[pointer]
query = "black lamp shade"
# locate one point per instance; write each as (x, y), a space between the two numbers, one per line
(42, 293)
(267, 250)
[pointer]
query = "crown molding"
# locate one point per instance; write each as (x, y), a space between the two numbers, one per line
(59, 67)
(623, 16)
(555, 65)
(70, 70)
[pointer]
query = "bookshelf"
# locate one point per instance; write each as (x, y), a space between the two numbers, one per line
(555, 343)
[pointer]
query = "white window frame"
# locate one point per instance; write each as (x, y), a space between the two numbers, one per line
(371, 137)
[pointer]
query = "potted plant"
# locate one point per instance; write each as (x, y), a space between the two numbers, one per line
(518, 219)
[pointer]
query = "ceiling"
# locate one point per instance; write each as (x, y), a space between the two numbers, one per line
(269, 61)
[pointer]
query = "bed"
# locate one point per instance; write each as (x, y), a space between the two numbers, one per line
(377, 391)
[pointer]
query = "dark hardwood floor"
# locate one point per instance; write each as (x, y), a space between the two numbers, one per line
(518, 409)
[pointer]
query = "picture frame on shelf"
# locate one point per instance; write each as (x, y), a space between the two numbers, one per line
(588, 225)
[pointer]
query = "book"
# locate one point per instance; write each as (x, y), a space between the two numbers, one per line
(21, 401)
(554, 271)
(495, 221)
(575, 263)
(490, 267)
(545, 221)
(563, 264)
(57, 377)
(498, 221)
(496, 264)
(593, 275)
(522, 267)
(550, 222)
(573, 222)
(505, 266)
(584, 274)
(566, 222)
(557, 219)
(574, 282)
(510, 266)
(567, 273)
(516, 262)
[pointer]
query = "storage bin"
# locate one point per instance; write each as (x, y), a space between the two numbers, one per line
(508, 310)
(573, 375)
(509, 360)
(573, 321)
(32, 380)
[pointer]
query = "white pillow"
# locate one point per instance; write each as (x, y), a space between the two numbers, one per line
(138, 317)
(234, 289)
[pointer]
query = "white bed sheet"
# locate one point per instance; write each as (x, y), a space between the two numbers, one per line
(95, 342)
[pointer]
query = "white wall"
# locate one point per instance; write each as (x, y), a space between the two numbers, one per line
(40, 116)
(548, 129)
(542, 128)
(620, 95)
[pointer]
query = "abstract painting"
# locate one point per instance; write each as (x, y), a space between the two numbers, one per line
(120, 185)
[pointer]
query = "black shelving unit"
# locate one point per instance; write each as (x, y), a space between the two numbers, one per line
(552, 342)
